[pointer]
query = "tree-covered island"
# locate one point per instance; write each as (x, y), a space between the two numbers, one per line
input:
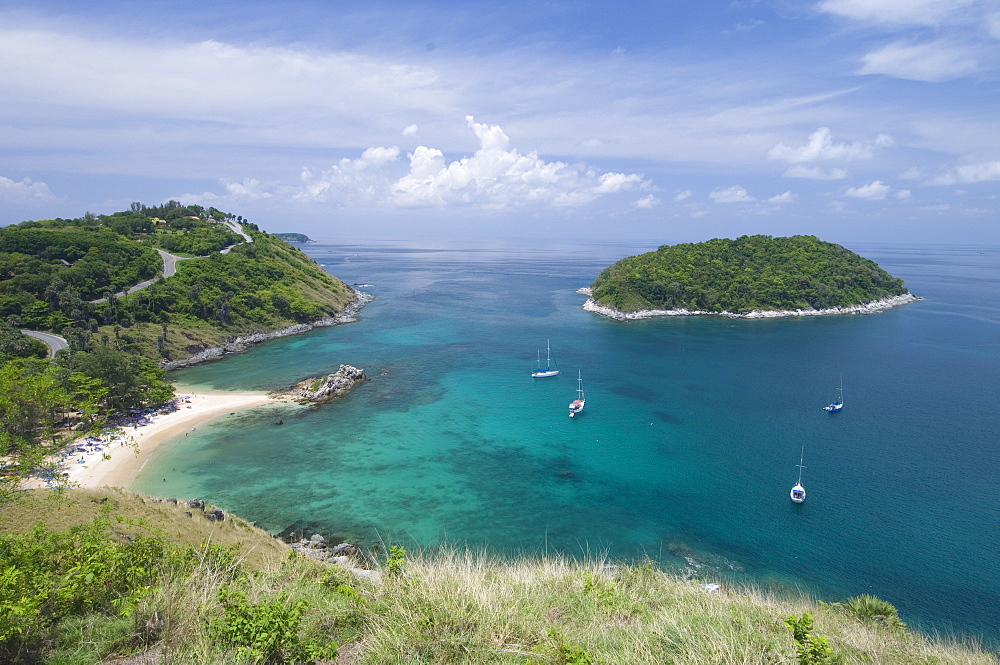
(750, 276)
(293, 237)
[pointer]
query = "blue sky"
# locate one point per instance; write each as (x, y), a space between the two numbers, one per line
(854, 120)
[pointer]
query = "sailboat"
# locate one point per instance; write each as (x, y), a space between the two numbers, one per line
(838, 403)
(798, 492)
(547, 370)
(576, 406)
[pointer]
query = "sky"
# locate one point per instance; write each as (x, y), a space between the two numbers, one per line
(672, 121)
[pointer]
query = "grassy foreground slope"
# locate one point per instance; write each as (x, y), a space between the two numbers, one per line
(125, 579)
(749, 273)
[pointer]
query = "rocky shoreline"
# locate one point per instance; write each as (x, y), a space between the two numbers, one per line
(243, 342)
(867, 308)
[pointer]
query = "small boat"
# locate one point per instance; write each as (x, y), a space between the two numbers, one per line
(838, 403)
(798, 492)
(547, 370)
(576, 406)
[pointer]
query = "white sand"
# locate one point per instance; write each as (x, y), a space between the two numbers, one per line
(118, 464)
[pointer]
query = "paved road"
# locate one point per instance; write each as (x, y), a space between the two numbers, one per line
(236, 228)
(54, 342)
(169, 268)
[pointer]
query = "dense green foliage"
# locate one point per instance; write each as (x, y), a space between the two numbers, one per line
(750, 273)
(255, 285)
(69, 276)
(48, 275)
(13, 344)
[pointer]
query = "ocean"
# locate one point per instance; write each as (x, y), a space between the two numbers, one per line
(686, 450)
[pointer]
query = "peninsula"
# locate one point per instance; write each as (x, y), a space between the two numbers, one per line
(750, 277)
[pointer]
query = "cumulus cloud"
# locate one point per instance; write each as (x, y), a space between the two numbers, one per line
(410, 130)
(778, 199)
(821, 146)
(646, 202)
(683, 194)
(250, 188)
(734, 194)
(873, 191)
(497, 175)
(897, 12)
(815, 172)
(904, 194)
(969, 173)
(24, 191)
(934, 62)
(350, 179)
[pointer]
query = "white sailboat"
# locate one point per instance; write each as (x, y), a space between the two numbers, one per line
(798, 492)
(838, 403)
(541, 372)
(576, 406)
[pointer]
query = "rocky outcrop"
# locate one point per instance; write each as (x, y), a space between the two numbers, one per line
(344, 555)
(243, 342)
(866, 308)
(328, 388)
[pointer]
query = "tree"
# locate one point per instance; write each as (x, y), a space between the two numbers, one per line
(132, 382)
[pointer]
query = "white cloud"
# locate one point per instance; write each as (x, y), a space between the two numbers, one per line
(498, 176)
(24, 191)
(786, 197)
(646, 202)
(904, 194)
(411, 130)
(350, 179)
(815, 172)
(934, 62)
(821, 146)
(734, 194)
(682, 194)
(912, 173)
(899, 12)
(874, 191)
(249, 188)
(969, 173)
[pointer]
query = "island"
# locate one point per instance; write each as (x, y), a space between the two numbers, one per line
(292, 237)
(750, 277)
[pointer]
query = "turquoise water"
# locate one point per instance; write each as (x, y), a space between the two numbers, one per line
(688, 444)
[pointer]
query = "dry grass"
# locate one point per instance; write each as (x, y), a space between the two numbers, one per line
(454, 605)
(62, 509)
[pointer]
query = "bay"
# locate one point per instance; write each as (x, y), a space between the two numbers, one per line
(688, 444)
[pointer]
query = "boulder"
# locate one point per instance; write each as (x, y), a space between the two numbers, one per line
(326, 389)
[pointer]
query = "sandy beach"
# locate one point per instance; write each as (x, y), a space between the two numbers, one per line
(118, 462)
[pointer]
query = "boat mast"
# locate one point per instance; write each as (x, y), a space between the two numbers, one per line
(801, 453)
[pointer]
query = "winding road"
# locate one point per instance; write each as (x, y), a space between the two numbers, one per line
(57, 343)
(54, 342)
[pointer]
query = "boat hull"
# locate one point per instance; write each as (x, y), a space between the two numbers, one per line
(798, 494)
(542, 373)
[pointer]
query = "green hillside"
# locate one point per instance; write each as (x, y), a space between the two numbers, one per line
(750, 273)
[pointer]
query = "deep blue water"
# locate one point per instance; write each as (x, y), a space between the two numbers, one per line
(688, 444)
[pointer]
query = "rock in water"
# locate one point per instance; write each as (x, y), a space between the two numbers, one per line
(333, 386)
